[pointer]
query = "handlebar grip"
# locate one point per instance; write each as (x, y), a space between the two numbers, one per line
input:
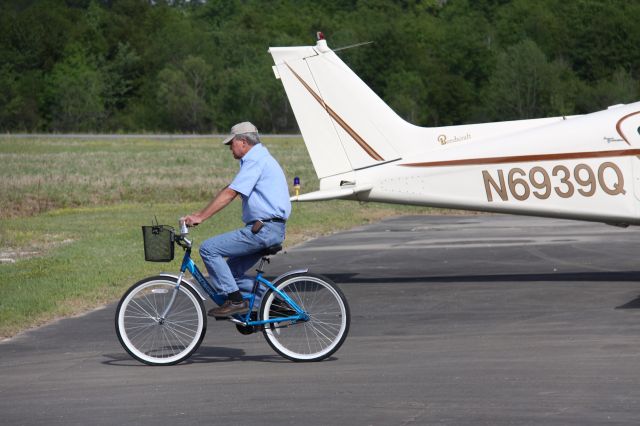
(184, 229)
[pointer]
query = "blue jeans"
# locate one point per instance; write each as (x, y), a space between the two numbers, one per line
(243, 250)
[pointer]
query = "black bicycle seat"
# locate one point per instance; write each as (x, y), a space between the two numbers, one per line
(269, 251)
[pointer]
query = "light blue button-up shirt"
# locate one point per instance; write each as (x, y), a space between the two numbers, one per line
(262, 185)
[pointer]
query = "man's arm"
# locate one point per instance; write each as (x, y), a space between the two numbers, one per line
(224, 197)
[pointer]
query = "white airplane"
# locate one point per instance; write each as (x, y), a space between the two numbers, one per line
(580, 167)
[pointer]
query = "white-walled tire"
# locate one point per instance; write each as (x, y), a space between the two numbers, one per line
(328, 324)
(160, 342)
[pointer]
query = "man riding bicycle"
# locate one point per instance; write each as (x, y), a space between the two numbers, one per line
(262, 186)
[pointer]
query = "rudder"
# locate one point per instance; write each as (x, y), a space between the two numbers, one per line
(344, 124)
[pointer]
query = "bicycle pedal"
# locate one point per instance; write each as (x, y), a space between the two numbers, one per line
(245, 329)
(222, 318)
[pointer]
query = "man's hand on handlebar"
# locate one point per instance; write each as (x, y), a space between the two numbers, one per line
(192, 220)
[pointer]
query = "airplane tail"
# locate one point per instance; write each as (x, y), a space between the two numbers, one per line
(344, 124)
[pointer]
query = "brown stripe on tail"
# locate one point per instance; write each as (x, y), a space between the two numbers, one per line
(359, 140)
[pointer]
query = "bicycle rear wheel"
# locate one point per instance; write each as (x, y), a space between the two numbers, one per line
(327, 326)
(155, 341)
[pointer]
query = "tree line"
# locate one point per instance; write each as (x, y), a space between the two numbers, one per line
(200, 66)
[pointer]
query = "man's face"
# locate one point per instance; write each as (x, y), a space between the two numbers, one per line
(239, 148)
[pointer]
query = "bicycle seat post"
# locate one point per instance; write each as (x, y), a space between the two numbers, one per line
(265, 253)
(262, 261)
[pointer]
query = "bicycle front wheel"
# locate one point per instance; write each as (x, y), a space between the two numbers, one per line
(325, 330)
(154, 340)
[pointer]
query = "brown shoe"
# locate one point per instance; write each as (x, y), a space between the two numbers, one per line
(229, 308)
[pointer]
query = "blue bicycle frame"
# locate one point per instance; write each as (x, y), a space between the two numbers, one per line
(189, 265)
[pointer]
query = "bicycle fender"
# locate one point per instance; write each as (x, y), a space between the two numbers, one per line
(184, 280)
(286, 274)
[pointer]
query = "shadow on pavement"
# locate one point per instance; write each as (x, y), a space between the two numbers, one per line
(204, 355)
(634, 304)
(354, 278)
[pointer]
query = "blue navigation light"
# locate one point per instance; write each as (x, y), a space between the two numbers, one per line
(296, 185)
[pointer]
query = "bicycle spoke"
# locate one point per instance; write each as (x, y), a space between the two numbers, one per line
(320, 333)
(175, 335)
(143, 310)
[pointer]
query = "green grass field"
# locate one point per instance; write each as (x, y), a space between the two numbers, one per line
(71, 211)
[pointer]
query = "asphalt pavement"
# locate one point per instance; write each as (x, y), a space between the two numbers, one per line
(456, 320)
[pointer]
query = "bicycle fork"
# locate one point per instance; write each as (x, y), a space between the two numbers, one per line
(163, 317)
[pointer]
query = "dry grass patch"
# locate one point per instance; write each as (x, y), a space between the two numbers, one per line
(26, 245)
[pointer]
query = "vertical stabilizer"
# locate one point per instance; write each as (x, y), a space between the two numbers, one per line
(345, 125)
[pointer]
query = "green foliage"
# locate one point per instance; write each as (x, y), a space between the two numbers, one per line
(621, 87)
(406, 95)
(11, 101)
(526, 85)
(75, 92)
(182, 92)
(190, 66)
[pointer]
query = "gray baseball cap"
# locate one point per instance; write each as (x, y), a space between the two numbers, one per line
(239, 129)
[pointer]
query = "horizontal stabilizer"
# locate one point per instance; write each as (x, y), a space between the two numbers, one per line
(332, 195)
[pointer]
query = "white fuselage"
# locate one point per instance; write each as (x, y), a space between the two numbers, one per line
(583, 167)
(573, 168)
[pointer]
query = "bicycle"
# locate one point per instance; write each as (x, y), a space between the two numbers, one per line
(161, 319)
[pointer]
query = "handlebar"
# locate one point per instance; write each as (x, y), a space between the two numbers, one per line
(182, 241)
